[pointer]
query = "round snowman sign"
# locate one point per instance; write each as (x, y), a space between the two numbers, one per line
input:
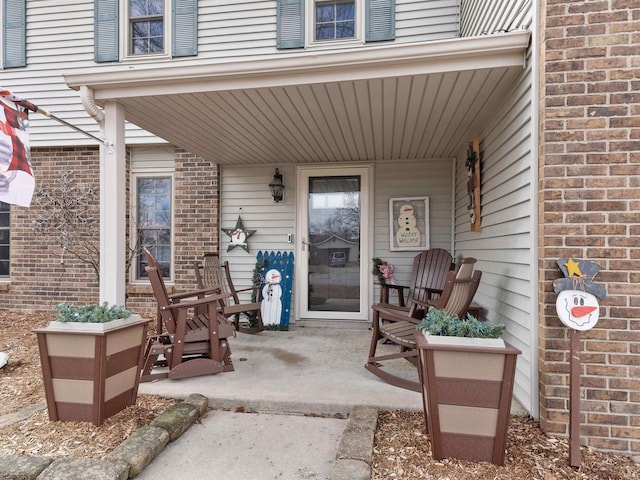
(577, 303)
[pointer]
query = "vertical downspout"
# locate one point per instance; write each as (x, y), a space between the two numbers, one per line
(535, 126)
(95, 112)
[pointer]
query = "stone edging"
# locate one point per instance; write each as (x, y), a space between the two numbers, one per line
(127, 460)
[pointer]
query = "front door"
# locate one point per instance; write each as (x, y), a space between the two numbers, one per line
(332, 246)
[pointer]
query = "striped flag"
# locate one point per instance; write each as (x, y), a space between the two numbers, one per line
(16, 175)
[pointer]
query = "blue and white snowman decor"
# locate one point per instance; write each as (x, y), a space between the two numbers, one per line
(276, 272)
(271, 305)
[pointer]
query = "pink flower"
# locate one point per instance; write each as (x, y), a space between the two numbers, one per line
(387, 272)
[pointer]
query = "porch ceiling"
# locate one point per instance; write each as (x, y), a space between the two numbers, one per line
(388, 102)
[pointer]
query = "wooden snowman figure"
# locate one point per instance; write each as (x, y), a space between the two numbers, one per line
(271, 305)
(407, 235)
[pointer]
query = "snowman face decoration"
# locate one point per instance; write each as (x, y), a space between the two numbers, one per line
(238, 236)
(578, 310)
(272, 276)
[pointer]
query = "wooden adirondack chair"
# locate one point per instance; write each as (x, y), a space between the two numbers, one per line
(398, 325)
(428, 276)
(212, 273)
(195, 340)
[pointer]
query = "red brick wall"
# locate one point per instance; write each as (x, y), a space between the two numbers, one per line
(39, 280)
(590, 209)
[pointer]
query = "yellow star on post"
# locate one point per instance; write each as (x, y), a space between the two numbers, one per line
(573, 268)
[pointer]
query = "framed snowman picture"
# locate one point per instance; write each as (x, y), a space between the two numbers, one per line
(408, 224)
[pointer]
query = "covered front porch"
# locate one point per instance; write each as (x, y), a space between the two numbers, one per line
(403, 112)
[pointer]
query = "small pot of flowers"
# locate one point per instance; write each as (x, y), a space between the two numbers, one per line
(91, 358)
(467, 374)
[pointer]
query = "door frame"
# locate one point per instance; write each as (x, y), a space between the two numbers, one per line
(303, 172)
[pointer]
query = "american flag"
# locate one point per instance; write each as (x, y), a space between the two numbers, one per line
(16, 174)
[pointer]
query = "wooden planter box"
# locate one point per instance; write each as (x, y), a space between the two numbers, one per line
(466, 392)
(91, 371)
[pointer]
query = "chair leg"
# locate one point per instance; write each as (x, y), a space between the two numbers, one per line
(154, 348)
(375, 334)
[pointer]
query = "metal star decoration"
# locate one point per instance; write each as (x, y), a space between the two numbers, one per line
(238, 236)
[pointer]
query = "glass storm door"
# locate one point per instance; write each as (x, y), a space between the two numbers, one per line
(332, 213)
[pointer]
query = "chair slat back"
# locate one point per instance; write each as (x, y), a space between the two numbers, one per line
(162, 297)
(429, 273)
(214, 274)
(460, 288)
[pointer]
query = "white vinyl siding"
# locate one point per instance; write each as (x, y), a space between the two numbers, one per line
(61, 40)
(244, 192)
(486, 17)
(422, 178)
(505, 246)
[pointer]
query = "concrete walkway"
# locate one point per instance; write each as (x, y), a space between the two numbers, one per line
(301, 385)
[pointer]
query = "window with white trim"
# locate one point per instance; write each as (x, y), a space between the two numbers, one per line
(152, 206)
(138, 28)
(153, 221)
(5, 240)
(306, 23)
(146, 27)
(335, 20)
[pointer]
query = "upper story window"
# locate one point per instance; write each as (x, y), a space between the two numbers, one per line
(146, 27)
(335, 20)
(138, 28)
(14, 33)
(307, 23)
(5, 239)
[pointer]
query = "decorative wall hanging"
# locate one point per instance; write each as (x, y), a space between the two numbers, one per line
(473, 184)
(578, 308)
(408, 223)
(238, 236)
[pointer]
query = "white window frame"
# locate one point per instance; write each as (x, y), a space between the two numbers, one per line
(150, 173)
(311, 27)
(125, 37)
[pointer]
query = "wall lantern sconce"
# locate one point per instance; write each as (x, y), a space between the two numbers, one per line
(277, 187)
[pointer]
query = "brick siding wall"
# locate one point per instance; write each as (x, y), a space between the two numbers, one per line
(42, 277)
(590, 208)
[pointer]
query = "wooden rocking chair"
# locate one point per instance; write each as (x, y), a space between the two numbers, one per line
(212, 273)
(398, 325)
(195, 341)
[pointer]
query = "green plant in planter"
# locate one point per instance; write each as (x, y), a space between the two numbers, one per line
(94, 313)
(439, 322)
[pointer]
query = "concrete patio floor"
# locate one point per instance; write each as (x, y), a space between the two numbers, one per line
(314, 368)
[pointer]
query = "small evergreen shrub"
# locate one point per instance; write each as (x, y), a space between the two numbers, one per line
(438, 322)
(91, 313)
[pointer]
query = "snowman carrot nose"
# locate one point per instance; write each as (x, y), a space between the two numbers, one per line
(581, 311)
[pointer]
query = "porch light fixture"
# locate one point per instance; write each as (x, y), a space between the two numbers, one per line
(277, 187)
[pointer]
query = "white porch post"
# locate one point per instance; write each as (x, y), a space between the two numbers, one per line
(112, 207)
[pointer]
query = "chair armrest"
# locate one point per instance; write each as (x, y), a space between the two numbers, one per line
(194, 293)
(248, 289)
(431, 291)
(197, 302)
(384, 292)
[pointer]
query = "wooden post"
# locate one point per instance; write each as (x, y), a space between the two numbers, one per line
(574, 399)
